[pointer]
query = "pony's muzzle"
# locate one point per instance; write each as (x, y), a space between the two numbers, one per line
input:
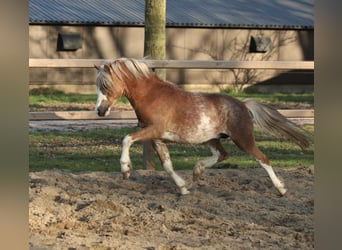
(103, 109)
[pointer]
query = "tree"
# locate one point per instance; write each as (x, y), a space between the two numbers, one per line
(155, 40)
(238, 48)
(154, 48)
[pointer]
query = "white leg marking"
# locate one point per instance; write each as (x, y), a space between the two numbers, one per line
(125, 160)
(276, 182)
(177, 179)
(164, 156)
(206, 163)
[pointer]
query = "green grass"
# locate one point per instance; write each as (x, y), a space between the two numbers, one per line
(100, 150)
(278, 100)
(50, 98)
(45, 97)
(53, 96)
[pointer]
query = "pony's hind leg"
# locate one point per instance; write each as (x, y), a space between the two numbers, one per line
(165, 159)
(264, 162)
(250, 148)
(219, 154)
(276, 182)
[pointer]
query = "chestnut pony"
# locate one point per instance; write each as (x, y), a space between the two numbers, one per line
(169, 113)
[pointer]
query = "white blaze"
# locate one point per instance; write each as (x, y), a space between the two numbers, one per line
(101, 97)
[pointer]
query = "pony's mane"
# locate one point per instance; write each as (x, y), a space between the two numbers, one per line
(135, 68)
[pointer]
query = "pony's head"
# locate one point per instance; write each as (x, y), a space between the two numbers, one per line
(111, 81)
(109, 89)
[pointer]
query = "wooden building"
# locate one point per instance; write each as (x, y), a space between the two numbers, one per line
(195, 30)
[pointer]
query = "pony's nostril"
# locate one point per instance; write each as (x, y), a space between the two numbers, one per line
(101, 112)
(103, 108)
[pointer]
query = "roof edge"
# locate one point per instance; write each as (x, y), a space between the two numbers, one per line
(176, 25)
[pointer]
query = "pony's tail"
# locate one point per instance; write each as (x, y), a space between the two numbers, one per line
(275, 123)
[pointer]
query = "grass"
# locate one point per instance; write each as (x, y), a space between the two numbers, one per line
(278, 100)
(42, 99)
(48, 98)
(100, 150)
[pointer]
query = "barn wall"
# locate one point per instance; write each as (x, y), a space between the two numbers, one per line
(182, 43)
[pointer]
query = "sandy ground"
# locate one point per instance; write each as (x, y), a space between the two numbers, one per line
(228, 209)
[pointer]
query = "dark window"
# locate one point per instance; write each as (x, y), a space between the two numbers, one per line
(69, 42)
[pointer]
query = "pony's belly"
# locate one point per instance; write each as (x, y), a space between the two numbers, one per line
(202, 136)
(194, 135)
(188, 138)
(171, 136)
(196, 131)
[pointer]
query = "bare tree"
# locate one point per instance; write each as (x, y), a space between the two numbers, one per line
(238, 48)
(241, 51)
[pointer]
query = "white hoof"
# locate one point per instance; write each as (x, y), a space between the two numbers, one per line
(282, 190)
(184, 190)
(126, 175)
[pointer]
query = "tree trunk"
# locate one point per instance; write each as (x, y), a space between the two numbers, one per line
(154, 48)
(155, 41)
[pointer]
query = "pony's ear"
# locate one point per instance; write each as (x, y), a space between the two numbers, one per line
(107, 68)
(96, 67)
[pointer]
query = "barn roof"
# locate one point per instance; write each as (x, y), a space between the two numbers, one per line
(279, 14)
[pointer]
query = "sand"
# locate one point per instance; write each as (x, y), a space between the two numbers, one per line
(230, 208)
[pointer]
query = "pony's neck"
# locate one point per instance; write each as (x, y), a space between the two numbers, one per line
(137, 90)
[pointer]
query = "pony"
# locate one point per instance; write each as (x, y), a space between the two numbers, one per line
(167, 112)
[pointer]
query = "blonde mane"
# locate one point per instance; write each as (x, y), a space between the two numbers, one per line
(134, 67)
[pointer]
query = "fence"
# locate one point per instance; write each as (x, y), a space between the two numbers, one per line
(176, 64)
(167, 64)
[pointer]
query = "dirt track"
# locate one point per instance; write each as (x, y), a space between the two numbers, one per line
(228, 209)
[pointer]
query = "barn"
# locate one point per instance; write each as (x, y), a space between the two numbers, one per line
(205, 30)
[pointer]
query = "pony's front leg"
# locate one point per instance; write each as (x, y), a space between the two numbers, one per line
(165, 159)
(125, 160)
(146, 133)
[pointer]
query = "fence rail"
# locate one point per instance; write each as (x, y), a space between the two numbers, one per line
(130, 114)
(166, 64)
(176, 64)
